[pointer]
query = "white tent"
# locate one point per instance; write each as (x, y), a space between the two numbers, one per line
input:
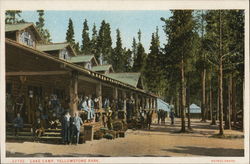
(194, 108)
(163, 105)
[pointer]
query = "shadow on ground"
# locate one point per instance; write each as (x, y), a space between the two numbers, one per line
(203, 151)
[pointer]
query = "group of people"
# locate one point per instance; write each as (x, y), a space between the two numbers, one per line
(50, 112)
(146, 118)
(163, 114)
(71, 126)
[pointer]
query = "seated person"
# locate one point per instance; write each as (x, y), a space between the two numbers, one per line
(37, 129)
(17, 124)
(54, 122)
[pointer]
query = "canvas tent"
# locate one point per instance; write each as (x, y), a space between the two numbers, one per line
(194, 108)
(195, 111)
(163, 105)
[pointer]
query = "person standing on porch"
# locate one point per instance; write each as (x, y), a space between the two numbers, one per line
(86, 108)
(76, 123)
(17, 124)
(91, 108)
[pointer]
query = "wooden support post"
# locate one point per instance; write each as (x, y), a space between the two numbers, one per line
(151, 103)
(155, 103)
(147, 103)
(73, 92)
(124, 100)
(115, 93)
(136, 102)
(143, 102)
(99, 94)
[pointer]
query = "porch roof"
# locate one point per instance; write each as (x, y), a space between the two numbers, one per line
(81, 70)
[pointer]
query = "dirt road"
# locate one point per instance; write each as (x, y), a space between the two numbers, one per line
(161, 140)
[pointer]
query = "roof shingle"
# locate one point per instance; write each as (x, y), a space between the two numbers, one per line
(131, 78)
(82, 58)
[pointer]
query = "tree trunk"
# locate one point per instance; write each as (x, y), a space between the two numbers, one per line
(213, 112)
(177, 104)
(183, 127)
(221, 82)
(203, 97)
(229, 107)
(211, 100)
(188, 104)
(234, 101)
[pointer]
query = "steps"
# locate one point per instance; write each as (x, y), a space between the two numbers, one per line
(50, 135)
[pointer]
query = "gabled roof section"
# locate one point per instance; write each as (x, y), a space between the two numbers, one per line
(54, 47)
(83, 59)
(102, 68)
(132, 78)
(22, 26)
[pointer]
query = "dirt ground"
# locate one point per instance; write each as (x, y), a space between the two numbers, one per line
(161, 140)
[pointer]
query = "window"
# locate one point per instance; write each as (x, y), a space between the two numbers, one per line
(26, 38)
(64, 54)
(88, 66)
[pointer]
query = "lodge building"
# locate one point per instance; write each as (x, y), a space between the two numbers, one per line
(54, 68)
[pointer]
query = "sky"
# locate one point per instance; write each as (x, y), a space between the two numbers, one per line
(129, 23)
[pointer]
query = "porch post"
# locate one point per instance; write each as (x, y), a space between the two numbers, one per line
(143, 102)
(147, 103)
(99, 94)
(73, 92)
(136, 102)
(115, 93)
(124, 100)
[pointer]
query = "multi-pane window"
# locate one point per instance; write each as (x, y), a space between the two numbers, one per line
(88, 65)
(26, 38)
(64, 54)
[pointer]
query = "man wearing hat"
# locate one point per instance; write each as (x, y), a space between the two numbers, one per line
(76, 123)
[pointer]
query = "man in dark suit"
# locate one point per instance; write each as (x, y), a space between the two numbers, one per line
(76, 123)
(66, 128)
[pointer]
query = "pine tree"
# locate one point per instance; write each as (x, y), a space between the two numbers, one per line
(70, 38)
(40, 26)
(127, 60)
(94, 48)
(104, 42)
(13, 17)
(86, 44)
(153, 76)
(134, 49)
(140, 56)
(117, 57)
(70, 33)
(179, 29)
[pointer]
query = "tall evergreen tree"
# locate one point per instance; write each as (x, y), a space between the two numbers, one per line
(40, 26)
(13, 17)
(140, 56)
(134, 51)
(223, 57)
(179, 29)
(86, 44)
(118, 57)
(94, 48)
(70, 36)
(104, 42)
(127, 60)
(153, 76)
